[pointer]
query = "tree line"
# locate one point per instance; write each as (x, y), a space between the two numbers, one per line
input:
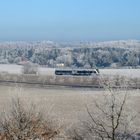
(84, 57)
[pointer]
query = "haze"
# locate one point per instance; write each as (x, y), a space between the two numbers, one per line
(69, 20)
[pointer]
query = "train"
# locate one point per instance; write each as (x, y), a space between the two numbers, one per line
(77, 72)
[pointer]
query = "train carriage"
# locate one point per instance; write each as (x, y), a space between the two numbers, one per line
(77, 72)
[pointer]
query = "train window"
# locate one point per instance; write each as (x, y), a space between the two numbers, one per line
(94, 71)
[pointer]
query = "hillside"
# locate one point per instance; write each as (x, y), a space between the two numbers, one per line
(116, 54)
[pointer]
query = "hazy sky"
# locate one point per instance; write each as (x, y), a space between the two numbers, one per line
(66, 20)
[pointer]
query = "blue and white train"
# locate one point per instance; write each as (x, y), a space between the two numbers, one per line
(77, 72)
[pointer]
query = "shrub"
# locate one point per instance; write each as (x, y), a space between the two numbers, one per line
(25, 124)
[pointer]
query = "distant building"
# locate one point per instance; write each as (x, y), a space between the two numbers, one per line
(60, 65)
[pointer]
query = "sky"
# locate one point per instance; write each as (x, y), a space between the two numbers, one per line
(69, 20)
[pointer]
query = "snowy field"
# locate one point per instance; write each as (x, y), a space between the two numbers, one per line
(134, 73)
(64, 104)
(17, 69)
(12, 69)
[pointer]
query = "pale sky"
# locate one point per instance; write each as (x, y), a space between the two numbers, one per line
(69, 20)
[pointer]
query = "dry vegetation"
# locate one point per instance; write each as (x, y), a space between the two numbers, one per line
(108, 119)
(116, 80)
(21, 123)
(85, 114)
(50, 80)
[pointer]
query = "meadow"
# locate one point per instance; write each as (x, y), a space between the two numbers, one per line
(67, 105)
(64, 105)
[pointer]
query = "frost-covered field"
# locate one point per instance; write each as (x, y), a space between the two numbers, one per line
(17, 69)
(134, 73)
(64, 104)
(13, 69)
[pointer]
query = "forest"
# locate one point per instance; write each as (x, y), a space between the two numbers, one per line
(78, 55)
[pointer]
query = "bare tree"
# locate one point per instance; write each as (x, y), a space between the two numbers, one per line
(30, 68)
(25, 124)
(108, 119)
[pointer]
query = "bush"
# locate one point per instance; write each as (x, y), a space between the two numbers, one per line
(25, 124)
(30, 68)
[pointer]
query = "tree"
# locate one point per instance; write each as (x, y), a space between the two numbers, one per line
(109, 119)
(30, 68)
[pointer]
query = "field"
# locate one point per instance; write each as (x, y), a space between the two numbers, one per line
(46, 76)
(134, 73)
(64, 105)
(67, 105)
(17, 69)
